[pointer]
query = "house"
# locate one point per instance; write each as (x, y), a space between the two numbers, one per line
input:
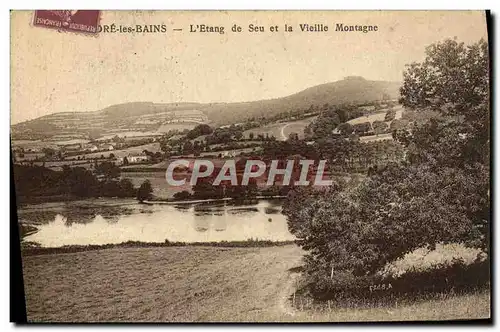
(107, 147)
(228, 154)
(137, 158)
(91, 147)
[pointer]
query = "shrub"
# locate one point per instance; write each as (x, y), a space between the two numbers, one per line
(399, 124)
(344, 287)
(390, 115)
(345, 129)
(362, 128)
(380, 127)
(440, 193)
(145, 191)
(182, 195)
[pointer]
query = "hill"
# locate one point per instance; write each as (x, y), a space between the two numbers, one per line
(154, 117)
(351, 90)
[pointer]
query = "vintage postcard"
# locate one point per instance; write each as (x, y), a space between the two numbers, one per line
(251, 166)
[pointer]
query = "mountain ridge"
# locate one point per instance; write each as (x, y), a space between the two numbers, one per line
(149, 116)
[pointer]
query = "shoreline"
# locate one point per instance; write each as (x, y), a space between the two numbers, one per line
(134, 201)
(209, 200)
(250, 243)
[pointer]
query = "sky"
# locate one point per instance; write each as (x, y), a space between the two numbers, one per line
(54, 71)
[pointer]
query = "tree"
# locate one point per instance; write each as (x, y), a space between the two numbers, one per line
(293, 137)
(380, 127)
(109, 170)
(145, 191)
(182, 195)
(126, 188)
(49, 153)
(399, 124)
(453, 79)
(199, 130)
(362, 128)
(345, 129)
(165, 146)
(390, 115)
(204, 188)
(439, 194)
(238, 135)
(187, 148)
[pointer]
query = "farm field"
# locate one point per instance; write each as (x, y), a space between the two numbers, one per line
(379, 116)
(74, 161)
(57, 165)
(158, 182)
(193, 284)
(234, 152)
(176, 126)
(152, 147)
(281, 130)
(128, 134)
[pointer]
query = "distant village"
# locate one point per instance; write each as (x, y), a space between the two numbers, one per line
(367, 122)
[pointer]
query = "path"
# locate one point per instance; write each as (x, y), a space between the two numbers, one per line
(283, 136)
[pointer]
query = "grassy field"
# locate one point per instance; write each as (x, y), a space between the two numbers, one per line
(281, 130)
(379, 116)
(445, 307)
(189, 284)
(158, 180)
(152, 147)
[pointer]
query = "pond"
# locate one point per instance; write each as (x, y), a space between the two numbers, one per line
(107, 221)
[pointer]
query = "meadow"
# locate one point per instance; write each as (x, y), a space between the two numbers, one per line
(199, 284)
(281, 130)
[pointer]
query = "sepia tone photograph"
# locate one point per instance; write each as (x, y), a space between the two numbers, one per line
(251, 166)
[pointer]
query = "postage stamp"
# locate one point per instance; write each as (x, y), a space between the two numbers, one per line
(70, 20)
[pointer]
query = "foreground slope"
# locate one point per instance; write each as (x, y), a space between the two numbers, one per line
(189, 284)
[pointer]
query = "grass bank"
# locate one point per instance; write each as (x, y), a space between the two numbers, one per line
(33, 248)
(200, 284)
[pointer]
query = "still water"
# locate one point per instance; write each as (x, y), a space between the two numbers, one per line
(105, 221)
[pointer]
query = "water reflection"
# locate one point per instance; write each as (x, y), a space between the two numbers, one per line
(101, 223)
(243, 210)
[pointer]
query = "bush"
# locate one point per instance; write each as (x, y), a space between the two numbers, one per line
(441, 278)
(440, 193)
(362, 128)
(380, 127)
(399, 124)
(345, 129)
(182, 195)
(145, 191)
(390, 115)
